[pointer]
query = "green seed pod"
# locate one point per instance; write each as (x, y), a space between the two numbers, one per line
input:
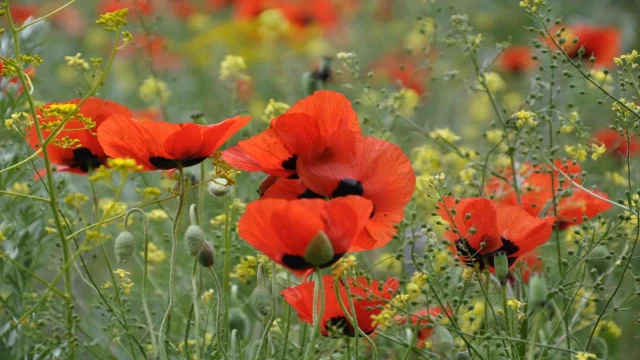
(538, 291)
(442, 341)
(238, 321)
(501, 264)
(262, 301)
(194, 239)
(124, 246)
(319, 251)
(463, 356)
(597, 258)
(218, 190)
(207, 254)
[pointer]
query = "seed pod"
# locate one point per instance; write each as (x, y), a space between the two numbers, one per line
(218, 190)
(124, 246)
(207, 254)
(194, 239)
(538, 291)
(442, 341)
(319, 252)
(501, 264)
(262, 300)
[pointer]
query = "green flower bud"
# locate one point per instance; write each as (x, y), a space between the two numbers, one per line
(442, 341)
(124, 246)
(501, 264)
(219, 190)
(238, 321)
(597, 258)
(319, 251)
(463, 356)
(207, 254)
(194, 239)
(538, 291)
(262, 301)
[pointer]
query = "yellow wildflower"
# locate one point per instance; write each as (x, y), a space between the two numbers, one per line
(122, 274)
(578, 152)
(342, 265)
(75, 199)
(124, 164)
(581, 355)
(77, 60)
(158, 215)
(207, 296)
(21, 188)
(153, 89)
(154, 254)
(273, 110)
(525, 118)
(272, 24)
(233, 68)
(597, 151)
(444, 134)
(218, 220)
(514, 304)
(494, 82)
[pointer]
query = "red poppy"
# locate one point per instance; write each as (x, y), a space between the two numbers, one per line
(155, 47)
(162, 145)
(147, 115)
(602, 42)
(89, 154)
(350, 164)
(404, 70)
(517, 59)
(275, 150)
(537, 192)
(144, 7)
(421, 319)
(323, 13)
(368, 298)
(481, 228)
(20, 13)
(616, 143)
(283, 229)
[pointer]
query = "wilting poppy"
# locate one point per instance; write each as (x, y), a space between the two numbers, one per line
(536, 185)
(617, 144)
(517, 59)
(88, 154)
(402, 69)
(420, 319)
(481, 228)
(284, 229)
(368, 299)
(159, 145)
(274, 151)
(601, 42)
(350, 164)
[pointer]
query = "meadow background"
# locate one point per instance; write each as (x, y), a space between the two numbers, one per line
(418, 73)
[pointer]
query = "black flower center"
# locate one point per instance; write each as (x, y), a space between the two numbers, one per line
(84, 159)
(348, 187)
(297, 262)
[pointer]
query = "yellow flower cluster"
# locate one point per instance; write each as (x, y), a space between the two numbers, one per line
(246, 269)
(76, 199)
(341, 266)
(532, 5)
(77, 61)
(153, 89)
(577, 152)
(525, 118)
(628, 59)
(125, 282)
(158, 215)
(207, 296)
(494, 82)
(405, 101)
(444, 134)
(273, 110)
(125, 165)
(233, 68)
(154, 254)
(113, 21)
(610, 327)
(272, 24)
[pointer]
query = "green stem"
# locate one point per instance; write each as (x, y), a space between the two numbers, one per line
(196, 307)
(227, 267)
(531, 349)
(172, 264)
(318, 292)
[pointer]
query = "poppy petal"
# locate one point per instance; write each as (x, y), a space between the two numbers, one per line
(215, 135)
(122, 137)
(332, 110)
(270, 152)
(184, 143)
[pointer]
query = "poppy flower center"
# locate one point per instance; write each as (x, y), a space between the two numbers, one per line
(339, 326)
(297, 262)
(84, 159)
(308, 194)
(167, 164)
(473, 256)
(348, 187)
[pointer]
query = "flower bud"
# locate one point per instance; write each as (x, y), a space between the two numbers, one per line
(319, 251)
(207, 254)
(262, 301)
(238, 321)
(124, 246)
(194, 239)
(501, 264)
(538, 291)
(463, 356)
(217, 189)
(442, 341)
(597, 258)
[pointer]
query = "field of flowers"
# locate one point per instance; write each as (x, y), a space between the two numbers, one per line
(319, 179)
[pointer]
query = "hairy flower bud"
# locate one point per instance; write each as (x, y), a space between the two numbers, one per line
(238, 321)
(538, 291)
(319, 251)
(124, 246)
(442, 341)
(501, 264)
(207, 254)
(598, 259)
(262, 301)
(219, 190)
(194, 239)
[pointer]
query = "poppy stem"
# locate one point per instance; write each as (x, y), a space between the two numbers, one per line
(318, 291)
(172, 264)
(227, 267)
